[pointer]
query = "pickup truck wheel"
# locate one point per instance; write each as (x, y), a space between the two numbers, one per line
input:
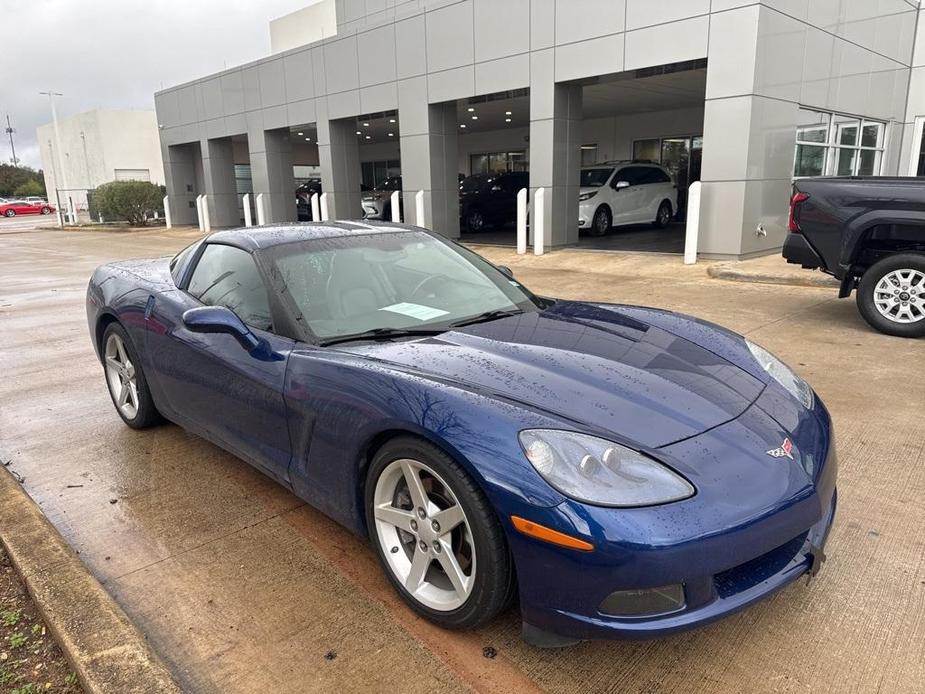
(891, 295)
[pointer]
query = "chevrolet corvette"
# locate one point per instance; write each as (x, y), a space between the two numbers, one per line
(620, 471)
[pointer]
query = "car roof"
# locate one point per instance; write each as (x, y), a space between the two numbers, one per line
(269, 235)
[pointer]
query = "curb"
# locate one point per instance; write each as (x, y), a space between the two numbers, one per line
(811, 279)
(106, 651)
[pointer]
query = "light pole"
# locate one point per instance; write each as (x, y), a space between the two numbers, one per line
(62, 184)
(9, 131)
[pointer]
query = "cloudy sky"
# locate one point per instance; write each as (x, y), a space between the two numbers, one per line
(117, 53)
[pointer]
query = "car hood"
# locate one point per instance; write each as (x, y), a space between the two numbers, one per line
(589, 364)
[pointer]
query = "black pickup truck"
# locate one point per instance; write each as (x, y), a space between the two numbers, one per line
(869, 232)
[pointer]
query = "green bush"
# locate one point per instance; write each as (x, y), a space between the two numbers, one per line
(133, 201)
(29, 189)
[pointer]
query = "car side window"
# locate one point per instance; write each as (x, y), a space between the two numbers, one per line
(630, 174)
(227, 276)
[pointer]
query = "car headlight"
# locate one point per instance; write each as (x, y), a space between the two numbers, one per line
(600, 472)
(783, 374)
(587, 196)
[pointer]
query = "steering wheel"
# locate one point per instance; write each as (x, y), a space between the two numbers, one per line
(423, 283)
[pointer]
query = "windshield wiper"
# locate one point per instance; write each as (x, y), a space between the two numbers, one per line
(487, 316)
(383, 334)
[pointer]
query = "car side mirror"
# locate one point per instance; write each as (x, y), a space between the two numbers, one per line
(506, 271)
(218, 319)
(620, 185)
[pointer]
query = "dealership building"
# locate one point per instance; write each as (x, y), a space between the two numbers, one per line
(740, 95)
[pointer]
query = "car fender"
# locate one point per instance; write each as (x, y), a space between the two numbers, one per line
(343, 406)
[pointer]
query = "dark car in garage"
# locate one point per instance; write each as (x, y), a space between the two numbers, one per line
(490, 199)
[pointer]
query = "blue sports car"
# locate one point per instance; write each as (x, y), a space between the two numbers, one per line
(624, 471)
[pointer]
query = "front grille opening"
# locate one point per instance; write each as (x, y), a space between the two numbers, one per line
(751, 573)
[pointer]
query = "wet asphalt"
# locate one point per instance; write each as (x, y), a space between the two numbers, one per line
(240, 587)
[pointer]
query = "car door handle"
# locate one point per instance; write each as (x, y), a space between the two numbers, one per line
(149, 307)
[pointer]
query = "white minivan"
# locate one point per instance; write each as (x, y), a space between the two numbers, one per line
(617, 193)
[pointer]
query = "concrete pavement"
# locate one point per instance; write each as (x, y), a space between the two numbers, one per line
(240, 587)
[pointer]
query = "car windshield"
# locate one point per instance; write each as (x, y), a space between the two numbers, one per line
(390, 281)
(594, 178)
(473, 182)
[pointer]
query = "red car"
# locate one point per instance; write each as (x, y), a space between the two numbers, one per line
(15, 207)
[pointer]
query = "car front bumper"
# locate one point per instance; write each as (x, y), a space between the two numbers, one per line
(586, 213)
(707, 598)
(723, 555)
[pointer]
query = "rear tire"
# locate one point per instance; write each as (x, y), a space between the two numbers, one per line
(475, 542)
(10, 213)
(126, 381)
(891, 295)
(601, 222)
(663, 216)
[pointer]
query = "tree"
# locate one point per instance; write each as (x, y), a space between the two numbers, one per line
(11, 177)
(29, 189)
(133, 201)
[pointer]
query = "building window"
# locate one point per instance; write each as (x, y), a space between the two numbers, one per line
(375, 172)
(829, 144)
(588, 155)
(497, 162)
(132, 175)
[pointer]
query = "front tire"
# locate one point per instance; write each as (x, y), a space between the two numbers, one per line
(601, 222)
(126, 381)
(45, 210)
(475, 222)
(437, 538)
(663, 216)
(891, 295)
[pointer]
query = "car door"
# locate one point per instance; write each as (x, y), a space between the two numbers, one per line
(210, 383)
(628, 201)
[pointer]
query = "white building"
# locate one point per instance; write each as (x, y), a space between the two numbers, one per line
(99, 147)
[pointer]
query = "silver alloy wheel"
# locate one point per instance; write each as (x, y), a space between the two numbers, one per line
(900, 296)
(475, 222)
(664, 215)
(424, 534)
(601, 222)
(120, 375)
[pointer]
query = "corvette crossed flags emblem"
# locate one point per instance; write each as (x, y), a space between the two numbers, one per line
(784, 451)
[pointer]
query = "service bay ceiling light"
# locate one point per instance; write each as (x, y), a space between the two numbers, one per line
(359, 132)
(308, 139)
(462, 125)
(475, 117)
(507, 120)
(391, 120)
(470, 109)
(301, 133)
(507, 113)
(391, 134)
(369, 137)
(365, 125)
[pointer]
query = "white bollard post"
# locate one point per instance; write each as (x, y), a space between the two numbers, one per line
(206, 221)
(522, 221)
(167, 219)
(199, 212)
(539, 221)
(395, 204)
(60, 217)
(261, 210)
(419, 208)
(692, 234)
(316, 208)
(324, 207)
(248, 219)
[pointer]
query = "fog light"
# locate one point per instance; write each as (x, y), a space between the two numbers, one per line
(644, 602)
